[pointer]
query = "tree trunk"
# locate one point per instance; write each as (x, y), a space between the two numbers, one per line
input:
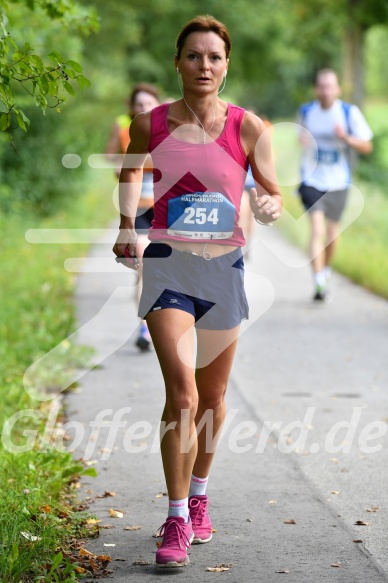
(353, 89)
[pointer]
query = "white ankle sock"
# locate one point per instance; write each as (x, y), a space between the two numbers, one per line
(198, 486)
(179, 508)
(327, 272)
(319, 278)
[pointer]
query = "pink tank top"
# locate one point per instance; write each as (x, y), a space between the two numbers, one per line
(197, 187)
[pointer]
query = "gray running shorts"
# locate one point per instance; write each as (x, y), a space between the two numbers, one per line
(212, 291)
(331, 203)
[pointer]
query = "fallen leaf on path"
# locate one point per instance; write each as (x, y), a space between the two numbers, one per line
(335, 492)
(85, 553)
(334, 460)
(335, 565)
(291, 521)
(133, 528)
(107, 526)
(106, 494)
(104, 558)
(361, 523)
(109, 544)
(94, 565)
(92, 521)
(81, 570)
(272, 502)
(249, 520)
(373, 509)
(158, 544)
(89, 563)
(161, 494)
(115, 513)
(214, 530)
(282, 571)
(357, 540)
(220, 568)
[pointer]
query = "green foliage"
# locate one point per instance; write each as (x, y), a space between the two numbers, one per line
(376, 63)
(366, 13)
(24, 72)
(36, 314)
(373, 169)
(32, 178)
(277, 47)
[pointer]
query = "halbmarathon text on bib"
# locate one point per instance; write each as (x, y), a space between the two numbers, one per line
(201, 215)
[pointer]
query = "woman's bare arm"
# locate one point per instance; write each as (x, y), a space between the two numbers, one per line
(266, 199)
(130, 183)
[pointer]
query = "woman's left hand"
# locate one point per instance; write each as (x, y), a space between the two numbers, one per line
(264, 206)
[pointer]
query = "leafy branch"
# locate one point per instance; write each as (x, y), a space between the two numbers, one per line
(44, 83)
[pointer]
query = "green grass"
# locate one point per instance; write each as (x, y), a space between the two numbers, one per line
(374, 168)
(362, 251)
(36, 314)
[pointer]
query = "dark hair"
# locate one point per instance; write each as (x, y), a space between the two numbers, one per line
(204, 23)
(140, 87)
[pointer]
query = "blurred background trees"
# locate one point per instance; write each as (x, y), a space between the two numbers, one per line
(278, 45)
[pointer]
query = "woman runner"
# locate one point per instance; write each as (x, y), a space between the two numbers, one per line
(193, 269)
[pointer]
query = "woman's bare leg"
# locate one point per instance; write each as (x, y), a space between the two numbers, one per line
(167, 327)
(212, 381)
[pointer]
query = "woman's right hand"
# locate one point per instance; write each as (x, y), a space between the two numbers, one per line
(125, 246)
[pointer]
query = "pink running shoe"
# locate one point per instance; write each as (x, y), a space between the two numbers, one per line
(200, 518)
(177, 536)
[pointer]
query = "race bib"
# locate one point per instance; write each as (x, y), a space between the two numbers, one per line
(327, 156)
(201, 215)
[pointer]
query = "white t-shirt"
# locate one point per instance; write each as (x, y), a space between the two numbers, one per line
(325, 162)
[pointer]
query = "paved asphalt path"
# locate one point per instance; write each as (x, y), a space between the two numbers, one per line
(307, 401)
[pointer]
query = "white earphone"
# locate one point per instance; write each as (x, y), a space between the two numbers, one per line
(177, 70)
(225, 72)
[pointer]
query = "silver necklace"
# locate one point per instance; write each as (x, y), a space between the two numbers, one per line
(200, 123)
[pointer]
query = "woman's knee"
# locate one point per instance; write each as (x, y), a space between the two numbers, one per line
(213, 401)
(181, 398)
